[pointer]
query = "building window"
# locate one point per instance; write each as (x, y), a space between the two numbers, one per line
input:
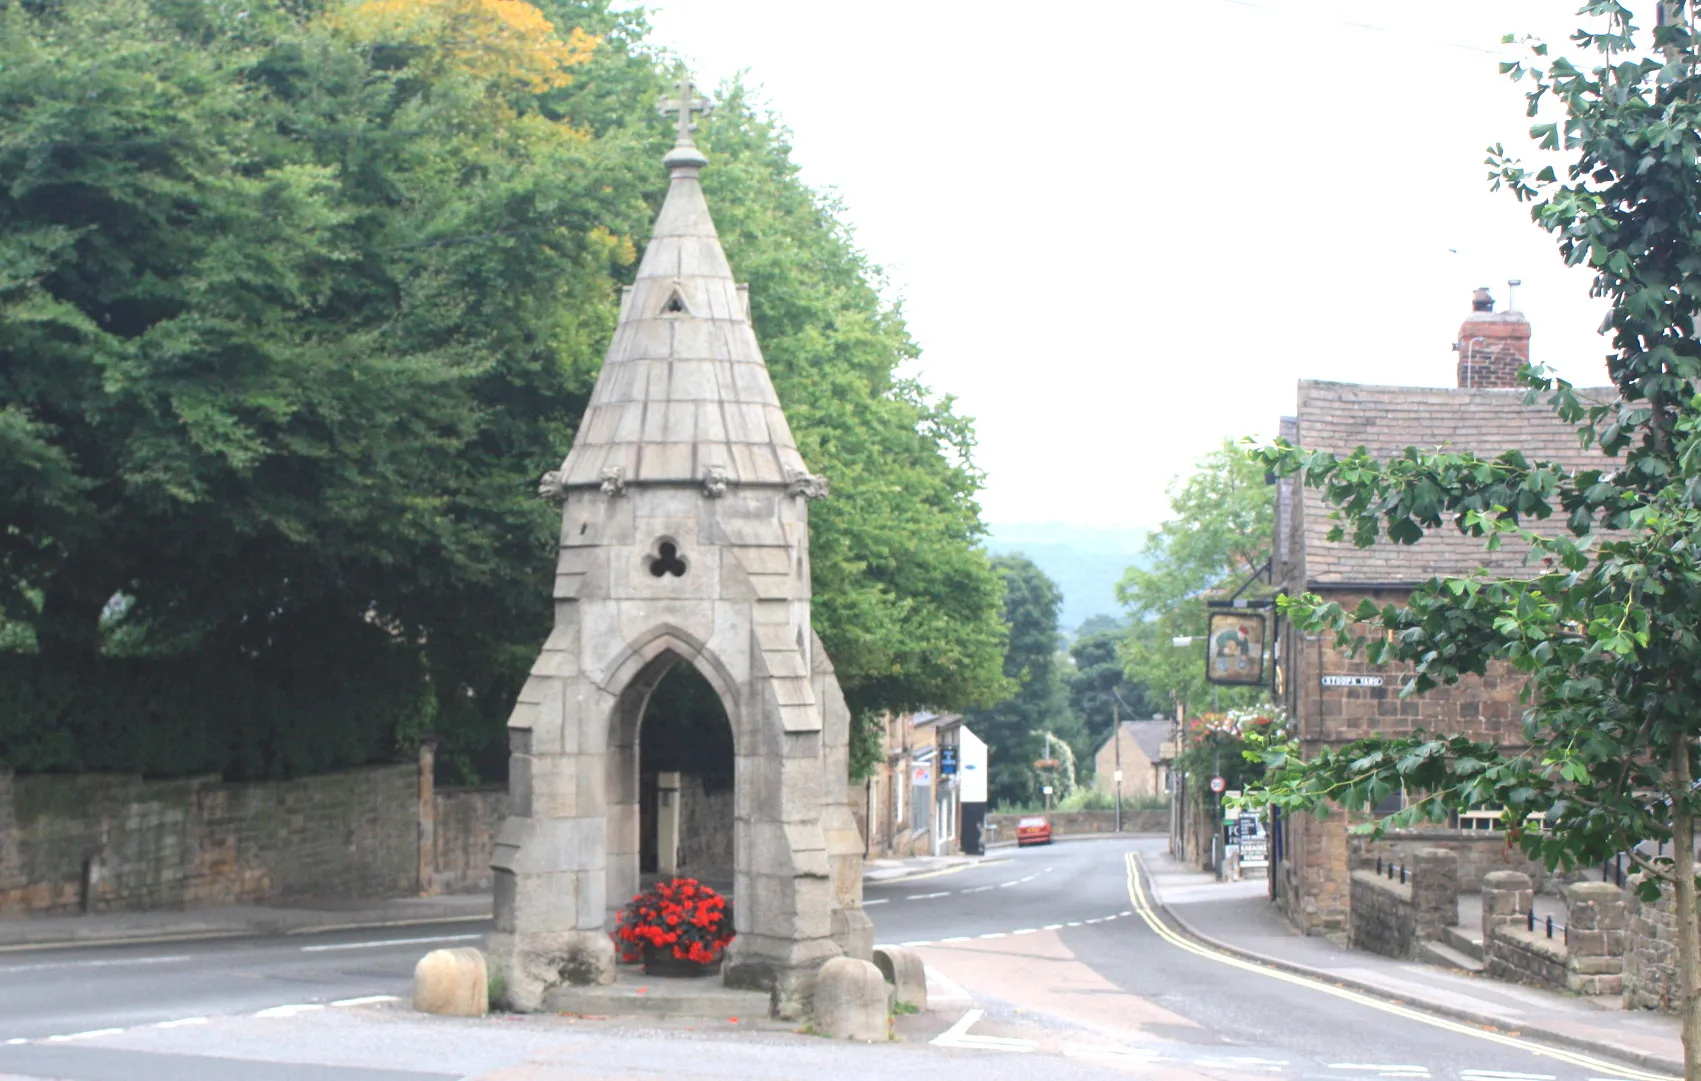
(920, 806)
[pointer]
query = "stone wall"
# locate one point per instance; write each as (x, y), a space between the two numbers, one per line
(1479, 853)
(1312, 885)
(466, 823)
(1076, 823)
(1586, 955)
(197, 841)
(1650, 953)
(1391, 917)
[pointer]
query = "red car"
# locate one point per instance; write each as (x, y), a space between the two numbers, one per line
(1033, 831)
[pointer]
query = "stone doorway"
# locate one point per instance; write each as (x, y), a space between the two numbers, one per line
(685, 782)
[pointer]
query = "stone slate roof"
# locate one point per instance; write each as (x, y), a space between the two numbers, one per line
(1339, 417)
(684, 389)
(1149, 736)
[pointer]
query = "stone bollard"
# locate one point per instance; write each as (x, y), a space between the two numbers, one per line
(903, 969)
(1595, 920)
(1506, 899)
(850, 1000)
(1435, 890)
(454, 982)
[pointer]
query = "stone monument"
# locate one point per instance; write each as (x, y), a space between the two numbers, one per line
(684, 540)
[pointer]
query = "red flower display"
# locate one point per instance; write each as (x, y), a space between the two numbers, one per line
(683, 914)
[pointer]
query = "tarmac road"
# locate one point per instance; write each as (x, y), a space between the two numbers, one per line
(1066, 973)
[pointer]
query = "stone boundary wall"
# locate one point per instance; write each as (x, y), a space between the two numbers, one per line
(467, 820)
(1587, 958)
(1479, 852)
(1392, 918)
(1650, 953)
(102, 842)
(1075, 823)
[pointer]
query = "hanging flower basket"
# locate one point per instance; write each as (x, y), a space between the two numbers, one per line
(677, 928)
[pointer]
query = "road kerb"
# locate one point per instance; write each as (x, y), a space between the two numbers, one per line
(1645, 1059)
(932, 874)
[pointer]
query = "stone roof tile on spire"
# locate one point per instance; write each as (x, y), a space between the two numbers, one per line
(684, 394)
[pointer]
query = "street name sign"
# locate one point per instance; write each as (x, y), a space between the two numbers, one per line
(1352, 681)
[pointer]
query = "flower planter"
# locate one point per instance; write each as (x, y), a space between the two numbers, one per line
(660, 961)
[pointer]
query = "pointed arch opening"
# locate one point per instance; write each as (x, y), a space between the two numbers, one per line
(672, 766)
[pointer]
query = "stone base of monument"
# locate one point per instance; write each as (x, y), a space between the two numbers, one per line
(633, 992)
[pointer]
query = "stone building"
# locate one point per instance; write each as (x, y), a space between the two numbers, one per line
(1139, 747)
(913, 796)
(684, 545)
(1333, 699)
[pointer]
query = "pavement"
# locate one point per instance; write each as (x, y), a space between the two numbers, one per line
(1239, 918)
(236, 921)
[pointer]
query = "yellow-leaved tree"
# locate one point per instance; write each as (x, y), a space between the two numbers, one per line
(506, 42)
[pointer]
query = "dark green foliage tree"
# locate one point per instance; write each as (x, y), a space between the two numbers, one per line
(1097, 680)
(292, 319)
(1219, 534)
(1605, 623)
(1014, 728)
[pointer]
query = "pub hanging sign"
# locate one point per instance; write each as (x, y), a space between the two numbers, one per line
(1234, 649)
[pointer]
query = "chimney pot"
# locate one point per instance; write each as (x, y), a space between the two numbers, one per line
(1482, 301)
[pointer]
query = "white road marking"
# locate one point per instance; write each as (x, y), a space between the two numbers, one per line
(1376, 1067)
(927, 942)
(290, 1010)
(927, 896)
(114, 963)
(1499, 1075)
(1126, 912)
(365, 1000)
(957, 938)
(1052, 927)
(389, 942)
(15, 1041)
(1087, 1050)
(86, 1035)
(980, 889)
(881, 901)
(997, 934)
(1073, 923)
(1007, 885)
(958, 1036)
(1030, 878)
(182, 1021)
(1026, 931)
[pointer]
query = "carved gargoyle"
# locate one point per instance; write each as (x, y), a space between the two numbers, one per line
(613, 480)
(553, 486)
(807, 485)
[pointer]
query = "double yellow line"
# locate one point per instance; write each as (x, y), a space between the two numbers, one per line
(1143, 908)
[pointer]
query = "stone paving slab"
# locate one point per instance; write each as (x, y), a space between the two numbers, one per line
(1239, 918)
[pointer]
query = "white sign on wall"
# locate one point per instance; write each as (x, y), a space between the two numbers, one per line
(971, 767)
(921, 776)
(1352, 681)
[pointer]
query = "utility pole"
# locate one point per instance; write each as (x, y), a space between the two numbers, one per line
(1116, 736)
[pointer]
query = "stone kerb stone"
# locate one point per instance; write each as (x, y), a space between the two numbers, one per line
(453, 982)
(850, 1000)
(903, 969)
(1596, 920)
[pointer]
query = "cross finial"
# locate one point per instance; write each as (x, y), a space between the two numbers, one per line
(685, 104)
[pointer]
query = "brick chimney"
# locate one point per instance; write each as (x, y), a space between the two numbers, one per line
(1492, 345)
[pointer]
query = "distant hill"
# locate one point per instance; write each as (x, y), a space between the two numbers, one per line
(1086, 563)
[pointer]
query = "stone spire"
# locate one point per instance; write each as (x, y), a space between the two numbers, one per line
(684, 395)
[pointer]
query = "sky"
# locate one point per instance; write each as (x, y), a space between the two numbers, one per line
(1122, 230)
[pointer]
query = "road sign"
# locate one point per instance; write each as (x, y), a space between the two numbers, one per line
(947, 760)
(1351, 681)
(1218, 784)
(1046, 790)
(1118, 776)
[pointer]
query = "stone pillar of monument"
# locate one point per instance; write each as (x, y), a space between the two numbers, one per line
(685, 540)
